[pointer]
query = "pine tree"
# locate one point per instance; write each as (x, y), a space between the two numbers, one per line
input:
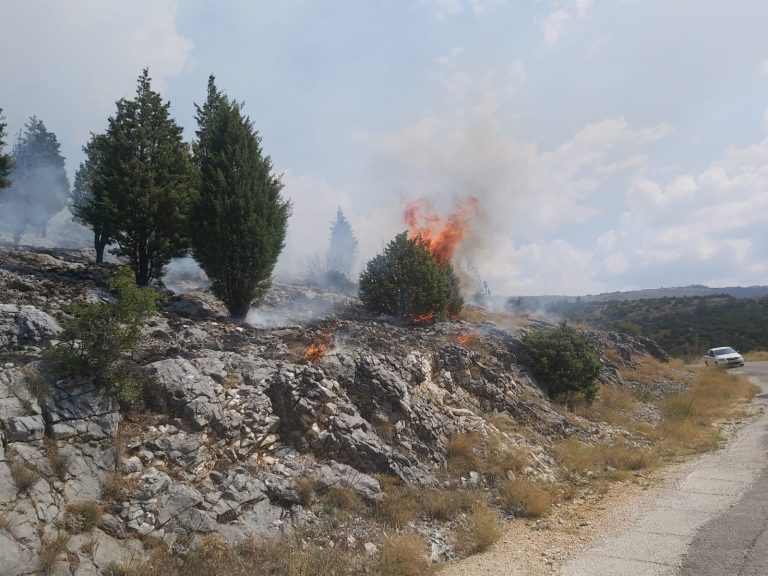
(40, 186)
(147, 177)
(6, 162)
(90, 203)
(342, 250)
(407, 281)
(239, 219)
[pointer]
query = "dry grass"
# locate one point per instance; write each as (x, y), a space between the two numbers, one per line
(404, 555)
(117, 489)
(342, 497)
(525, 498)
(24, 477)
(280, 557)
(480, 531)
(601, 459)
(51, 549)
(688, 417)
(305, 488)
(648, 369)
(756, 356)
(493, 456)
(446, 504)
(82, 516)
(400, 505)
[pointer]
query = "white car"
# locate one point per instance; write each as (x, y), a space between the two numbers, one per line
(723, 357)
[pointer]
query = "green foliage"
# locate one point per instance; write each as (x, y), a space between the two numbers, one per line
(239, 219)
(564, 361)
(683, 326)
(143, 170)
(406, 280)
(90, 203)
(39, 188)
(6, 162)
(96, 339)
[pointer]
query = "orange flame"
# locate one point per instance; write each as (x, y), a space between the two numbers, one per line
(318, 347)
(420, 318)
(464, 339)
(440, 235)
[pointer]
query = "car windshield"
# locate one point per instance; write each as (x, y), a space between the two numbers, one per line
(721, 351)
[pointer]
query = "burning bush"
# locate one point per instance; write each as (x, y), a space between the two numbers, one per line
(407, 280)
(564, 361)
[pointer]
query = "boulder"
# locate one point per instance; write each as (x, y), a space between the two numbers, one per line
(22, 325)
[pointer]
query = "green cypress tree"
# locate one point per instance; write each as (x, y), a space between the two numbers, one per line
(91, 204)
(6, 162)
(407, 281)
(239, 219)
(145, 171)
(342, 249)
(40, 187)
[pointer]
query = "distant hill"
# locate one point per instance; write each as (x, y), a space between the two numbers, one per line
(648, 293)
(684, 326)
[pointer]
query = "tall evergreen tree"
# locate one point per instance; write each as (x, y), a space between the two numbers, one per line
(40, 187)
(239, 219)
(91, 204)
(146, 174)
(6, 162)
(342, 250)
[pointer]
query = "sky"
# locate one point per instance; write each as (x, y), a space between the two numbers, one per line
(611, 144)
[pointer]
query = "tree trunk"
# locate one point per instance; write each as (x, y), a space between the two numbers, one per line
(99, 243)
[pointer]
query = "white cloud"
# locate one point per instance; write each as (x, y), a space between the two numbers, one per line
(83, 55)
(442, 9)
(552, 26)
(554, 23)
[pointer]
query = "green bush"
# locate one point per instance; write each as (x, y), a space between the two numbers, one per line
(564, 361)
(406, 280)
(96, 339)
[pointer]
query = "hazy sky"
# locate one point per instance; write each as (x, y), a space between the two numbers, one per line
(612, 144)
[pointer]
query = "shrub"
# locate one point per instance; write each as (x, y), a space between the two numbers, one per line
(525, 498)
(95, 340)
(564, 361)
(82, 516)
(404, 555)
(24, 477)
(480, 531)
(407, 281)
(51, 549)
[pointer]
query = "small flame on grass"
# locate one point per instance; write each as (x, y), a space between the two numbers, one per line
(318, 348)
(420, 318)
(465, 339)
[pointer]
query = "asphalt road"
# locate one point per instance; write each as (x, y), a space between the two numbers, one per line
(736, 542)
(714, 522)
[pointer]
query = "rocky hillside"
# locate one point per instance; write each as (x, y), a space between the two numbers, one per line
(239, 432)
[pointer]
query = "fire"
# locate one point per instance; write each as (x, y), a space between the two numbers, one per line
(440, 235)
(464, 339)
(318, 347)
(420, 318)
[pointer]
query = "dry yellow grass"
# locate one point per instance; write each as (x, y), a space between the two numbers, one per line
(404, 555)
(446, 504)
(481, 529)
(493, 455)
(601, 459)
(647, 369)
(688, 417)
(400, 505)
(756, 356)
(525, 498)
